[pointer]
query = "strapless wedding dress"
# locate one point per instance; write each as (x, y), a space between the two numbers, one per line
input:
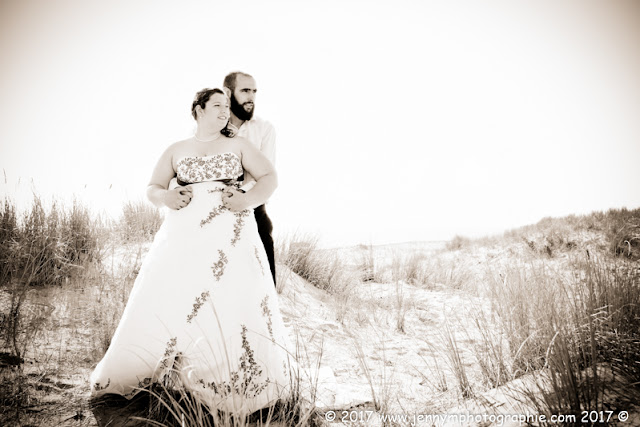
(203, 312)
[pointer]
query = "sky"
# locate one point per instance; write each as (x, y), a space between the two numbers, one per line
(396, 121)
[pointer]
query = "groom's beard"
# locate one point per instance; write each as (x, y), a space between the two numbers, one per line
(239, 111)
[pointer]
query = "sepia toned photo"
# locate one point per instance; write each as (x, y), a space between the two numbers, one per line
(337, 213)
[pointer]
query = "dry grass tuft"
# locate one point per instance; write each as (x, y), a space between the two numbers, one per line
(322, 268)
(458, 242)
(454, 358)
(140, 221)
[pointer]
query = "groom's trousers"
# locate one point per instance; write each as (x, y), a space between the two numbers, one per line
(265, 228)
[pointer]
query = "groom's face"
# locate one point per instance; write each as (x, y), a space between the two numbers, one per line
(243, 97)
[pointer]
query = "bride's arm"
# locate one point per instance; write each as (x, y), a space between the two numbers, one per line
(157, 191)
(261, 169)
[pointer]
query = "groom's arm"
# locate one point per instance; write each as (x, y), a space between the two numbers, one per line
(267, 148)
(268, 145)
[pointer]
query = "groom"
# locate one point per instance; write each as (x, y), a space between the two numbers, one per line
(242, 93)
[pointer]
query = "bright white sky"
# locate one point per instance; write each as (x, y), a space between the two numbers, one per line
(396, 120)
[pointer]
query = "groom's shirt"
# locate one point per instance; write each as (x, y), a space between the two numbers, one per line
(262, 135)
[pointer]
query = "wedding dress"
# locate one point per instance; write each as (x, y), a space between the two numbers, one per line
(203, 308)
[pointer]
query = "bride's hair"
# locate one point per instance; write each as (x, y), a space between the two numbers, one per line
(201, 99)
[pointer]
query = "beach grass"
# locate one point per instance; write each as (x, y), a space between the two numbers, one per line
(555, 305)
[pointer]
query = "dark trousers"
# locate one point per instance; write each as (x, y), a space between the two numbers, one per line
(265, 228)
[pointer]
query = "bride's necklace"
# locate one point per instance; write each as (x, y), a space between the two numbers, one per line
(207, 140)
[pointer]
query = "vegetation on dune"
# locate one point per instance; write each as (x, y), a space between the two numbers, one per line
(322, 268)
(139, 221)
(569, 308)
(565, 308)
(616, 231)
(562, 310)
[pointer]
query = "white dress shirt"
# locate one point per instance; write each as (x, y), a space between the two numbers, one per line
(262, 135)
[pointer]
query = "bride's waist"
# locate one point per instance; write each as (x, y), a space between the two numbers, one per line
(204, 186)
(205, 196)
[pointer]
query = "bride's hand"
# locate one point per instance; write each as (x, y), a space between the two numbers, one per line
(234, 200)
(178, 198)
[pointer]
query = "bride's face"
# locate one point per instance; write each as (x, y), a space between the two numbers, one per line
(216, 110)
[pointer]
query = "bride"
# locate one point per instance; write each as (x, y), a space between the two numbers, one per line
(203, 308)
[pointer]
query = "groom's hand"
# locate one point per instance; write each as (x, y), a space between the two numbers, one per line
(234, 200)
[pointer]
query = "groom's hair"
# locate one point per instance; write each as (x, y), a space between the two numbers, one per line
(201, 99)
(230, 79)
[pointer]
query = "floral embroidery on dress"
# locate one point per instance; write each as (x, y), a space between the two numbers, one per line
(266, 313)
(171, 345)
(98, 387)
(209, 168)
(145, 382)
(237, 227)
(255, 251)
(196, 305)
(141, 384)
(214, 213)
(218, 267)
(242, 381)
(236, 184)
